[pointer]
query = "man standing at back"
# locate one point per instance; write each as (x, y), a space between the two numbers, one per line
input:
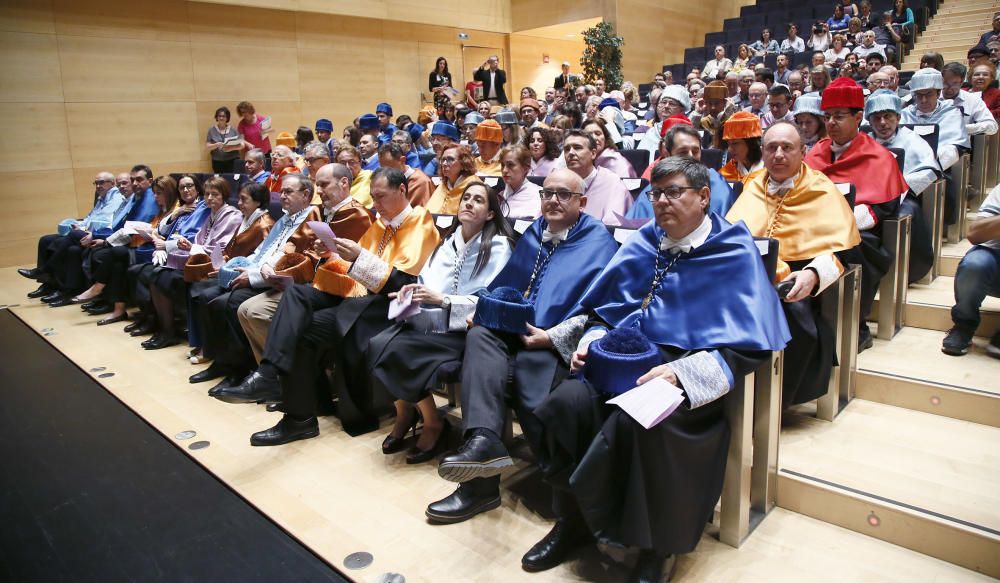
(493, 79)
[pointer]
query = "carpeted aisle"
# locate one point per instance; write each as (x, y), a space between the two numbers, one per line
(90, 492)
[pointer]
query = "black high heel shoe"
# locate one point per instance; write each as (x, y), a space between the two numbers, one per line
(418, 456)
(392, 444)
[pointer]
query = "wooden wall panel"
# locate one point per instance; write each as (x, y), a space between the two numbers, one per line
(36, 202)
(34, 137)
(527, 66)
(528, 14)
(161, 20)
(30, 65)
(403, 81)
(27, 16)
(123, 134)
(222, 25)
(253, 73)
(128, 70)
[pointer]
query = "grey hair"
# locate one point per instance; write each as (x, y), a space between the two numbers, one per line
(317, 149)
(256, 155)
(305, 183)
(694, 171)
(403, 134)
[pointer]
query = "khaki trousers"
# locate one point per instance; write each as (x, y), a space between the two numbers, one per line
(255, 317)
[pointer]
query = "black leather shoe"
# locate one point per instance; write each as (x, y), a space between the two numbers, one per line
(143, 329)
(32, 273)
(54, 296)
(865, 340)
(481, 456)
(418, 456)
(566, 535)
(160, 341)
(286, 431)
(112, 320)
(62, 301)
(273, 407)
(256, 388)
(228, 382)
(649, 568)
(462, 504)
(42, 291)
(135, 324)
(94, 303)
(100, 309)
(214, 371)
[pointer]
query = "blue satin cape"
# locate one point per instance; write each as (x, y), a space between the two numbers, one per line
(568, 272)
(716, 296)
(720, 201)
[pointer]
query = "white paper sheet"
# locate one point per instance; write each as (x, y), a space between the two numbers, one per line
(325, 234)
(651, 402)
(217, 260)
(403, 307)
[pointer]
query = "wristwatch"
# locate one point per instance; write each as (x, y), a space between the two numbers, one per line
(446, 303)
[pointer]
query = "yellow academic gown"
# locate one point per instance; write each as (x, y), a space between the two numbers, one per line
(488, 168)
(406, 250)
(731, 172)
(812, 219)
(361, 188)
(445, 201)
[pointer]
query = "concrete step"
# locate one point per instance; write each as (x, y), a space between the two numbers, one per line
(910, 371)
(924, 482)
(929, 307)
(951, 255)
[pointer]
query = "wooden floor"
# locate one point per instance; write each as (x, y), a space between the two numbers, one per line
(339, 495)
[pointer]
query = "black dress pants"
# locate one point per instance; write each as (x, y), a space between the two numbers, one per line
(225, 341)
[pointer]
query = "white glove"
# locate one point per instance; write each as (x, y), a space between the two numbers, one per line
(160, 257)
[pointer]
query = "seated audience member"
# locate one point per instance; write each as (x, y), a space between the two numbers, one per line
(868, 20)
(882, 111)
(763, 47)
(520, 195)
(489, 138)
(765, 76)
(52, 248)
(878, 80)
(741, 62)
(606, 196)
(839, 21)
(225, 342)
(607, 156)
(303, 136)
(741, 135)
(282, 164)
(978, 119)
(869, 46)
(175, 229)
(720, 64)
(168, 283)
(254, 164)
(347, 219)
(405, 357)
(530, 113)
(352, 136)
(778, 103)
(853, 157)
(505, 356)
(544, 149)
(993, 33)
(681, 139)
(442, 134)
(782, 71)
(510, 127)
(383, 111)
(674, 100)
(368, 124)
(838, 51)
(255, 224)
(902, 19)
(746, 78)
(809, 118)
(111, 261)
(404, 139)
(810, 218)
(758, 99)
(611, 477)
(927, 108)
(794, 43)
(978, 276)
(820, 39)
(324, 131)
(316, 156)
(732, 81)
(344, 307)
(419, 186)
(886, 37)
(854, 32)
(796, 84)
(819, 79)
(983, 82)
(717, 110)
(368, 148)
(361, 186)
(872, 63)
(932, 60)
(458, 169)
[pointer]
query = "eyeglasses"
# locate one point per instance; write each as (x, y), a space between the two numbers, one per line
(562, 195)
(100, 182)
(671, 192)
(447, 160)
(290, 190)
(186, 186)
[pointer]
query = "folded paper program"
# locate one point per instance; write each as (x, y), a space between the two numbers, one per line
(651, 402)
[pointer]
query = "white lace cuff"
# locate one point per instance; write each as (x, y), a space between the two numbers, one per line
(704, 376)
(828, 269)
(566, 335)
(461, 308)
(863, 217)
(370, 271)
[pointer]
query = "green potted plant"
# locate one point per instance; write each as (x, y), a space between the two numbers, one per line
(602, 59)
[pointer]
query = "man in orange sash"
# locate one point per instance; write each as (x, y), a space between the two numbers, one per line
(312, 318)
(849, 156)
(812, 222)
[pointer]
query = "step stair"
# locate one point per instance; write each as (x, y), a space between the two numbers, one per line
(952, 30)
(924, 482)
(929, 307)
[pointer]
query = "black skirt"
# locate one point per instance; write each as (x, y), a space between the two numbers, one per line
(405, 361)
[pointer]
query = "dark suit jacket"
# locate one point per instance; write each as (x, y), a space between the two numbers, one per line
(560, 81)
(484, 77)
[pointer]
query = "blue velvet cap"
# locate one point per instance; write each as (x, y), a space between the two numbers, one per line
(616, 361)
(415, 130)
(609, 102)
(504, 310)
(228, 271)
(368, 121)
(324, 125)
(443, 128)
(384, 108)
